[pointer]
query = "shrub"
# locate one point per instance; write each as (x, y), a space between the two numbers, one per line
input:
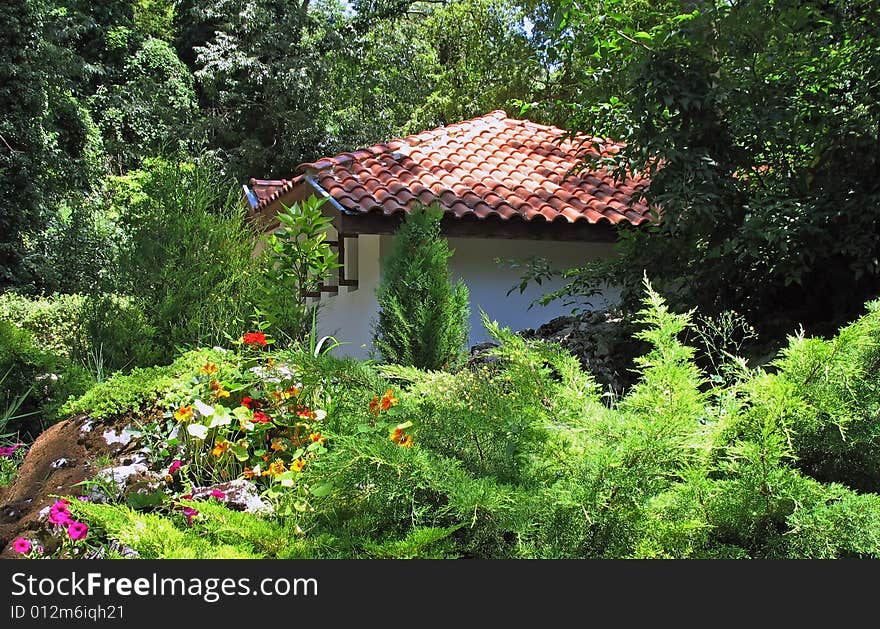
(188, 258)
(520, 457)
(423, 316)
(116, 335)
(54, 321)
(297, 261)
(102, 332)
(34, 382)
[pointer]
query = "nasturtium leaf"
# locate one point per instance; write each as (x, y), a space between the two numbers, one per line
(321, 490)
(240, 452)
(287, 479)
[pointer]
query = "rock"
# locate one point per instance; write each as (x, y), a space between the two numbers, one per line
(124, 437)
(240, 495)
(479, 354)
(602, 340)
(124, 479)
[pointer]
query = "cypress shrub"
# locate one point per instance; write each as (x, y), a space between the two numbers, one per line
(423, 315)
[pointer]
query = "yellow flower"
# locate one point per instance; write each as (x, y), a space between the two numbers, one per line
(220, 448)
(277, 445)
(208, 368)
(317, 437)
(298, 465)
(184, 413)
(249, 473)
(406, 442)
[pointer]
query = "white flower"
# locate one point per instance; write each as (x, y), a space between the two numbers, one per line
(199, 431)
(203, 409)
(221, 417)
(319, 415)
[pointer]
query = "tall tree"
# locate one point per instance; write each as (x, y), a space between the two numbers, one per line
(23, 142)
(759, 126)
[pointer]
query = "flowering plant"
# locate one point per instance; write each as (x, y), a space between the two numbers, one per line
(397, 431)
(249, 416)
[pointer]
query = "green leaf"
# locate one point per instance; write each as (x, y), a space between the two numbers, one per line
(321, 490)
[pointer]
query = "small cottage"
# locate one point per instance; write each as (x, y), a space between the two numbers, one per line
(509, 190)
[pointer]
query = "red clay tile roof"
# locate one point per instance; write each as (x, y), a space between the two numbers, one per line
(267, 190)
(490, 165)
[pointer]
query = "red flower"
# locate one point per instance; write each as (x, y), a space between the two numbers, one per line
(247, 401)
(254, 338)
(261, 418)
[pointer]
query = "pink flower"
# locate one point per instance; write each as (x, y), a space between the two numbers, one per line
(186, 497)
(77, 530)
(219, 495)
(8, 451)
(83, 498)
(175, 465)
(22, 546)
(61, 517)
(189, 512)
(59, 514)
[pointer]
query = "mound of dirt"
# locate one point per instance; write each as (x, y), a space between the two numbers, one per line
(61, 457)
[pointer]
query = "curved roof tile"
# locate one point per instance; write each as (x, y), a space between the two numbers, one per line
(489, 166)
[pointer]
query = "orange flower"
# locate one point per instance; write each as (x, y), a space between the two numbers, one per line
(265, 457)
(317, 437)
(220, 448)
(208, 368)
(401, 439)
(218, 389)
(184, 413)
(276, 467)
(374, 405)
(297, 465)
(388, 400)
(249, 473)
(278, 445)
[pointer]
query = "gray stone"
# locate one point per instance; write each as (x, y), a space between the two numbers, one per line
(239, 495)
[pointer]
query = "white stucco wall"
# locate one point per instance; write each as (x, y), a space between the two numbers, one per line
(348, 316)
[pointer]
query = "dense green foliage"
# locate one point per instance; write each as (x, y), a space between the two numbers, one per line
(423, 315)
(521, 458)
(127, 127)
(34, 382)
(757, 123)
(298, 262)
